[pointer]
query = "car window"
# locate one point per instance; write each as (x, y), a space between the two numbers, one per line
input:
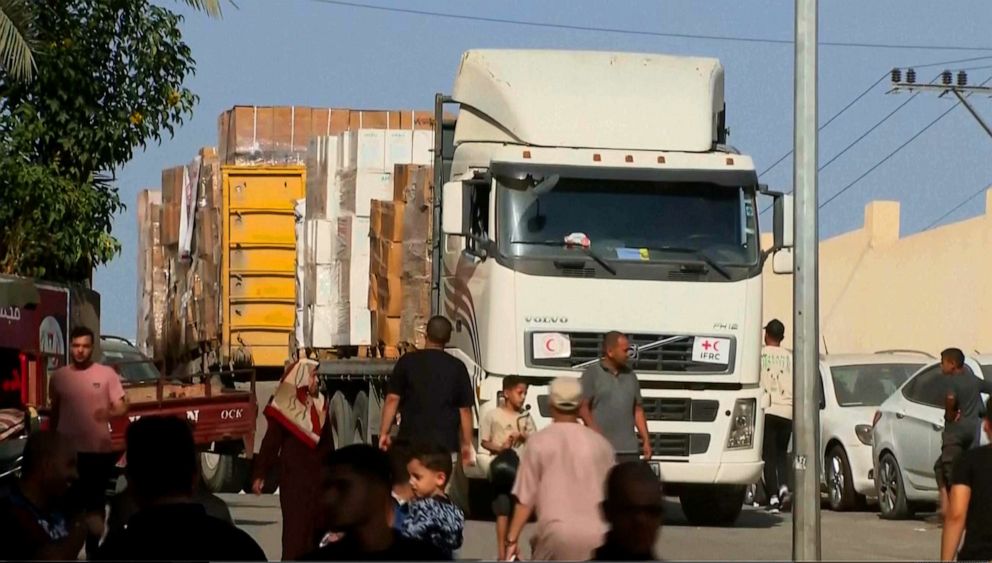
(870, 384)
(927, 388)
(132, 365)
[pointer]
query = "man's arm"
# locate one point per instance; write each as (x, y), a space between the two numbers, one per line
(954, 522)
(585, 413)
(53, 398)
(468, 451)
(641, 422)
(389, 409)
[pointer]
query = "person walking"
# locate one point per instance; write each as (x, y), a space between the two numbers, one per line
(562, 476)
(170, 524)
(776, 382)
(962, 391)
(358, 480)
(34, 527)
(612, 403)
(968, 509)
(432, 393)
(85, 395)
(297, 437)
(634, 509)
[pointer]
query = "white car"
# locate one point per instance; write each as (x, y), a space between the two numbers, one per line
(906, 440)
(851, 389)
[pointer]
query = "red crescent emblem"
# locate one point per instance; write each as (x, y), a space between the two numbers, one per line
(549, 344)
(716, 346)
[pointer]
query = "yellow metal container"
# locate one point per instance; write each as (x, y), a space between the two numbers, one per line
(258, 267)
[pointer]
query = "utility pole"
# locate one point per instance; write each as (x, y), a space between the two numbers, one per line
(805, 409)
(959, 88)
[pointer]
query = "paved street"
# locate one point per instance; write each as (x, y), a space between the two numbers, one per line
(758, 535)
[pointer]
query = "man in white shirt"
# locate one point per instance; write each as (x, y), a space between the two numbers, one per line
(776, 382)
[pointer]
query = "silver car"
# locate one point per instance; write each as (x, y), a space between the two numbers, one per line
(906, 439)
(852, 388)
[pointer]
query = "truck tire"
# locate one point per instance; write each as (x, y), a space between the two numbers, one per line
(713, 505)
(342, 419)
(223, 473)
(360, 414)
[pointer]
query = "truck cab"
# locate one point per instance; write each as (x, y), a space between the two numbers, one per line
(585, 192)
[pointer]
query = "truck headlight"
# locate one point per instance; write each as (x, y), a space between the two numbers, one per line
(864, 433)
(742, 425)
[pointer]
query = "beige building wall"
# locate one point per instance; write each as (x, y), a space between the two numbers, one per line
(878, 292)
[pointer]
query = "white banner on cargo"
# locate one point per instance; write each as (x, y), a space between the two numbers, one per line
(187, 206)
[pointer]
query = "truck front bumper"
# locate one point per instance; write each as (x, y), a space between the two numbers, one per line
(744, 473)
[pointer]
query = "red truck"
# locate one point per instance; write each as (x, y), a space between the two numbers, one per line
(35, 321)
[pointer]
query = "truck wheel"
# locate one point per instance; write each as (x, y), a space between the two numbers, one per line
(713, 505)
(360, 414)
(342, 420)
(222, 473)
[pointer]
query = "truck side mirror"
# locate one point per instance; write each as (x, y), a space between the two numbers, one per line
(453, 215)
(784, 221)
(782, 261)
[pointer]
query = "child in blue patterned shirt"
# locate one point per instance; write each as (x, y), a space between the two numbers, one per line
(431, 516)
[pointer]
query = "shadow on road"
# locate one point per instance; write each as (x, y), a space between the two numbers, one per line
(749, 518)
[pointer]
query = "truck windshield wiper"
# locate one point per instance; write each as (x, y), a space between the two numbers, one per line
(561, 244)
(698, 253)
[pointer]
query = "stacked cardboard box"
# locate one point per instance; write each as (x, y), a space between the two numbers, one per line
(281, 134)
(399, 292)
(204, 283)
(151, 273)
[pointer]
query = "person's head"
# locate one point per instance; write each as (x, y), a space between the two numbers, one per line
(430, 469)
(49, 464)
(161, 459)
(565, 397)
(774, 333)
(357, 484)
(515, 391)
(633, 506)
(951, 360)
(81, 344)
(616, 348)
(438, 331)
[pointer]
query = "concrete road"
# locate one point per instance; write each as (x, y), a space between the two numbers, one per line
(757, 536)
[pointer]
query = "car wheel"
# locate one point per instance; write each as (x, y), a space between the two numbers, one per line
(840, 485)
(892, 501)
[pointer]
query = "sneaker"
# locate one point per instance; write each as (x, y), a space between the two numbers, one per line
(786, 499)
(774, 505)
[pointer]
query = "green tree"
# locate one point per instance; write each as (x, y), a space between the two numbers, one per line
(109, 81)
(18, 39)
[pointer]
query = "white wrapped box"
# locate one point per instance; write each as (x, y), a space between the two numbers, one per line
(330, 285)
(325, 241)
(399, 148)
(324, 331)
(360, 187)
(360, 326)
(423, 147)
(368, 149)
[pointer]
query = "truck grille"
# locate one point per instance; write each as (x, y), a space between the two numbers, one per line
(672, 357)
(679, 445)
(680, 409)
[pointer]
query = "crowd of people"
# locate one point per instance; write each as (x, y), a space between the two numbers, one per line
(581, 478)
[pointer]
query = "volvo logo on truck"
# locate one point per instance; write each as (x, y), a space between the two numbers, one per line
(547, 320)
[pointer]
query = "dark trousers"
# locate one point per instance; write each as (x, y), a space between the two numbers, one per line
(89, 493)
(775, 453)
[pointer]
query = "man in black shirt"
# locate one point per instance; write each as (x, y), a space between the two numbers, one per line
(968, 510)
(30, 522)
(432, 392)
(358, 482)
(170, 524)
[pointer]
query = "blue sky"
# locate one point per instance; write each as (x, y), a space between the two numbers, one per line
(308, 52)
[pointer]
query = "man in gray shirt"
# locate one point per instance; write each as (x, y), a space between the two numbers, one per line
(612, 400)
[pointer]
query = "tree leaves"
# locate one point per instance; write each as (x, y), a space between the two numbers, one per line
(109, 81)
(17, 39)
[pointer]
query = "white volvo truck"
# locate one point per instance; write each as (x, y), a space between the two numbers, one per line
(585, 192)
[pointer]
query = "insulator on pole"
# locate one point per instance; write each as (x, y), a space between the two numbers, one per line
(896, 75)
(962, 78)
(911, 76)
(945, 77)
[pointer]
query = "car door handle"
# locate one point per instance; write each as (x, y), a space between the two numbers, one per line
(900, 415)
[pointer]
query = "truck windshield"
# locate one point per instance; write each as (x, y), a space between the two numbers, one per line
(630, 221)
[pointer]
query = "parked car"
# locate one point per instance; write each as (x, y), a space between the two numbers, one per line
(907, 437)
(851, 389)
(127, 360)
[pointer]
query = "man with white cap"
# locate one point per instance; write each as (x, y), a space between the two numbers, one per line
(562, 476)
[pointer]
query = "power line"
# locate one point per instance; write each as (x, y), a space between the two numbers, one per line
(570, 27)
(958, 206)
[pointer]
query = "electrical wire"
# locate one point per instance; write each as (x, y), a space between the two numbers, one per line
(570, 27)
(893, 153)
(958, 206)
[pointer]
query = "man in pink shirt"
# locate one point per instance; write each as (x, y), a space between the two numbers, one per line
(85, 396)
(562, 476)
